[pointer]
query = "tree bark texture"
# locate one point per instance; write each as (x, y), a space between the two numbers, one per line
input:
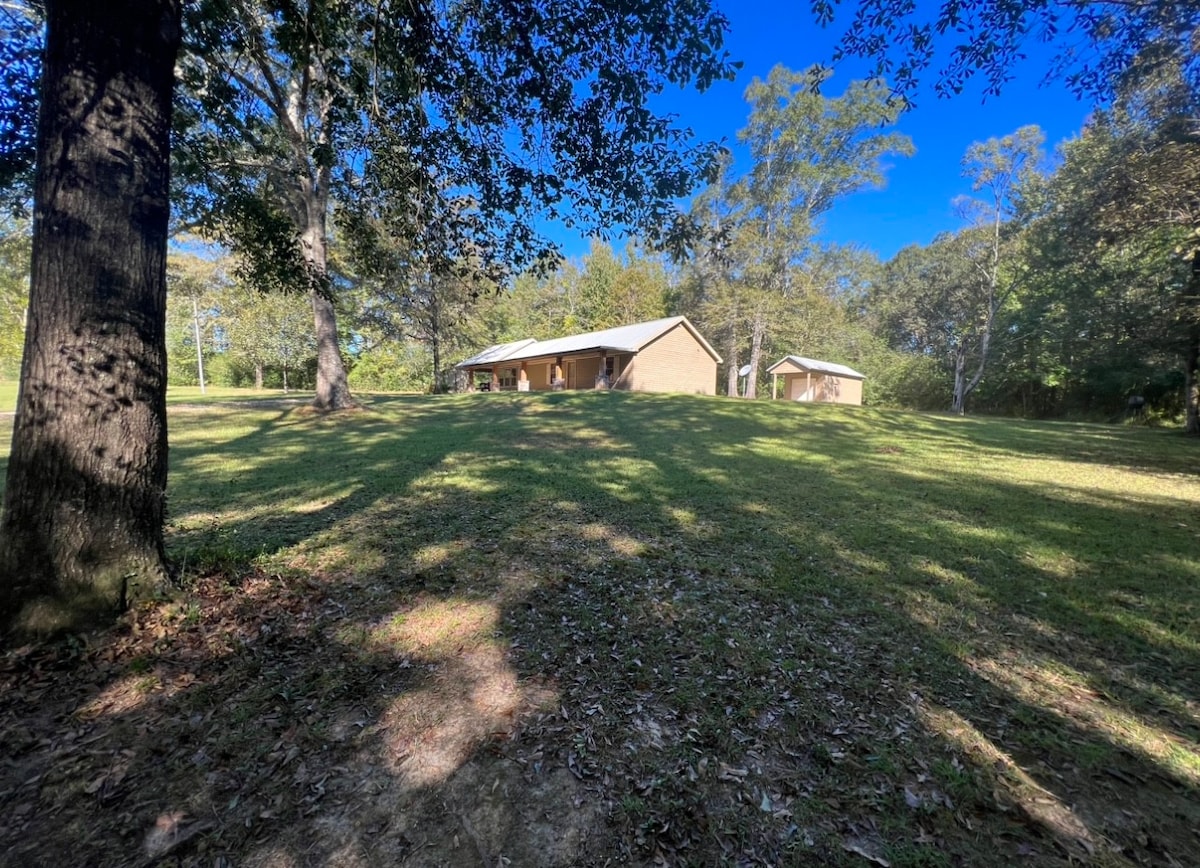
(1191, 360)
(959, 404)
(758, 332)
(731, 373)
(333, 387)
(85, 496)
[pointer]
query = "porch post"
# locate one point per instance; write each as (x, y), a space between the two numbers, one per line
(600, 378)
(774, 386)
(558, 373)
(808, 384)
(495, 379)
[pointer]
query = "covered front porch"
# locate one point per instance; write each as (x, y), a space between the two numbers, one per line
(598, 369)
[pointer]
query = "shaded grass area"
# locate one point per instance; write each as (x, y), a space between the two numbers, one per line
(567, 628)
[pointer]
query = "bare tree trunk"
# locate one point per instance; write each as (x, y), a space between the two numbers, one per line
(731, 374)
(1191, 366)
(84, 501)
(258, 375)
(757, 334)
(333, 389)
(199, 348)
(435, 338)
(991, 274)
(312, 206)
(959, 404)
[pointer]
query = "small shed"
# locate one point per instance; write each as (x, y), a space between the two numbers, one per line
(814, 380)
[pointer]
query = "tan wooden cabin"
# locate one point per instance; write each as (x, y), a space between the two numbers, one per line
(814, 380)
(663, 355)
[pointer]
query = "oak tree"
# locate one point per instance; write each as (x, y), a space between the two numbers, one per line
(84, 500)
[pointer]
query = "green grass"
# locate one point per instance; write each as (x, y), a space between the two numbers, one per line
(796, 633)
(223, 394)
(180, 395)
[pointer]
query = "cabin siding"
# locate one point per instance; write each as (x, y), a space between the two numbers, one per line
(674, 362)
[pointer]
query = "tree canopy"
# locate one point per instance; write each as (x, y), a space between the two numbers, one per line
(1097, 46)
(447, 128)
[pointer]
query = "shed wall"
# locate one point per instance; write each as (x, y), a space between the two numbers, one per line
(824, 388)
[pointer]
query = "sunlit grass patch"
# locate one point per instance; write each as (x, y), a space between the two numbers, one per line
(1014, 786)
(779, 633)
(436, 628)
(1053, 685)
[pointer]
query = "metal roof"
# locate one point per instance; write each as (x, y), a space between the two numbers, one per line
(623, 339)
(495, 353)
(818, 366)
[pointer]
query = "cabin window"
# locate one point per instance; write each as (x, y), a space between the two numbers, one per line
(508, 378)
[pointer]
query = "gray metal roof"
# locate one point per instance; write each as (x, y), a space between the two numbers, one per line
(623, 339)
(495, 353)
(817, 366)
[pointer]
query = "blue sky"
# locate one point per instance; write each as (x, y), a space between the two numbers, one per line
(916, 203)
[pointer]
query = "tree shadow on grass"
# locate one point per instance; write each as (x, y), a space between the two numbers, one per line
(644, 628)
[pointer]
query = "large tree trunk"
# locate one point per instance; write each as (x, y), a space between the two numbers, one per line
(731, 373)
(1191, 365)
(333, 388)
(758, 332)
(959, 404)
(83, 506)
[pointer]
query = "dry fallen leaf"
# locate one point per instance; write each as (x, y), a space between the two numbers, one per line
(869, 850)
(169, 831)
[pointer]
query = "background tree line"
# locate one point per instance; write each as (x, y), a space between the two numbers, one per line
(1068, 289)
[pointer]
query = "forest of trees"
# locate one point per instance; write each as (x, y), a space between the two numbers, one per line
(371, 184)
(1045, 303)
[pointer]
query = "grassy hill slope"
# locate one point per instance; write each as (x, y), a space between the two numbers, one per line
(565, 628)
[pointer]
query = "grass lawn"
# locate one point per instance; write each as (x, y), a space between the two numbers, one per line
(182, 395)
(563, 629)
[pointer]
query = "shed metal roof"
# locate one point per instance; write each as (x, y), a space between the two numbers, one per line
(623, 339)
(817, 366)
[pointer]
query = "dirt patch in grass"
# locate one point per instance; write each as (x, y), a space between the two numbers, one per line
(251, 721)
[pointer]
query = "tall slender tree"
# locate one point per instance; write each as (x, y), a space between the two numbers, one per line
(999, 169)
(808, 152)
